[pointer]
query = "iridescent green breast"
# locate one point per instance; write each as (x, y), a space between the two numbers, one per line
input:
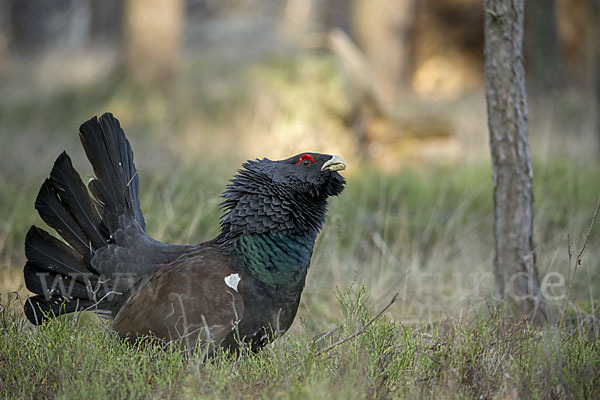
(276, 258)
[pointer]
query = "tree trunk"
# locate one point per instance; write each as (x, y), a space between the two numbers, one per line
(152, 30)
(40, 26)
(515, 268)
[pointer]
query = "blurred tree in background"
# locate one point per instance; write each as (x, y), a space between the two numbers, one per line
(106, 27)
(39, 25)
(152, 39)
(383, 30)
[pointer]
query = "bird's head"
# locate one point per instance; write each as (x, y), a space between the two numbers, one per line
(310, 175)
(289, 194)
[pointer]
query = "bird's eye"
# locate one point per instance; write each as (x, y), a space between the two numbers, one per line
(306, 159)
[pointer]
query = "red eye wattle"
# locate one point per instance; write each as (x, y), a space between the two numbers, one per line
(306, 157)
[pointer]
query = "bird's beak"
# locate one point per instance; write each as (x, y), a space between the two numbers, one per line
(335, 163)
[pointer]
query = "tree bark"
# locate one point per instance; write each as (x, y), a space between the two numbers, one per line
(515, 268)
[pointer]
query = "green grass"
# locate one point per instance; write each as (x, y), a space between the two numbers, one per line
(474, 356)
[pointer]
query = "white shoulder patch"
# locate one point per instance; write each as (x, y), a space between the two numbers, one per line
(232, 281)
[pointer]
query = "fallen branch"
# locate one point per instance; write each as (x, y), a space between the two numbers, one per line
(361, 330)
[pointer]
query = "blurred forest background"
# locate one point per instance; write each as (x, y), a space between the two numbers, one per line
(394, 86)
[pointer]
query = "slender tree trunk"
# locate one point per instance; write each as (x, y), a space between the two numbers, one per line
(515, 267)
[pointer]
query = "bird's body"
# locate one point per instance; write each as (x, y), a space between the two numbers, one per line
(242, 286)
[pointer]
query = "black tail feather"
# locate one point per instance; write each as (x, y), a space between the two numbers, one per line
(54, 269)
(54, 213)
(39, 309)
(48, 284)
(116, 186)
(73, 194)
(53, 255)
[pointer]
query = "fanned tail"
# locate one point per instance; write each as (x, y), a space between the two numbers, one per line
(62, 275)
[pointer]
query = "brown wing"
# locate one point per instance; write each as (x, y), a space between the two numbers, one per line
(188, 301)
